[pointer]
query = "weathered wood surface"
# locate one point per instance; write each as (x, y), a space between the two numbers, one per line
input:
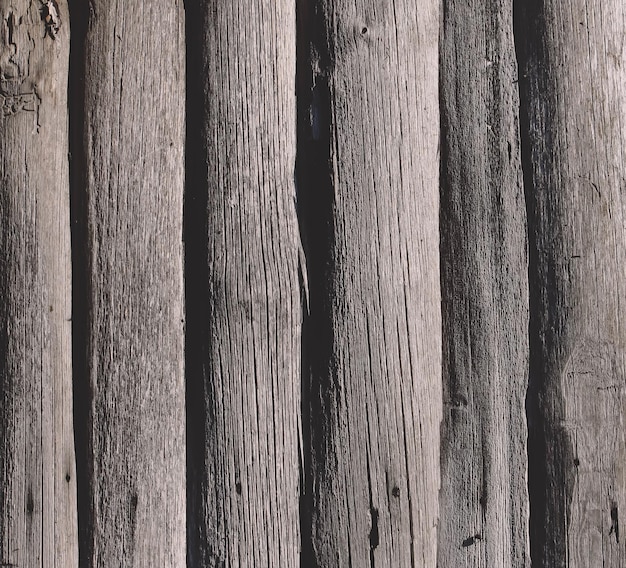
(484, 495)
(244, 300)
(38, 524)
(133, 65)
(572, 88)
(370, 179)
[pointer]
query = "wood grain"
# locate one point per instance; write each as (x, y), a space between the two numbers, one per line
(572, 79)
(484, 495)
(369, 178)
(245, 299)
(38, 525)
(132, 153)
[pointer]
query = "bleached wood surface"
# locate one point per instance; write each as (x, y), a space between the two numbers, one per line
(313, 437)
(370, 174)
(132, 155)
(38, 524)
(244, 296)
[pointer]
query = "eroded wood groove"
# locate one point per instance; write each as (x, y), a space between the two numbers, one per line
(483, 517)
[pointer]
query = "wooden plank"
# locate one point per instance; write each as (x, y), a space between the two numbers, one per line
(244, 302)
(132, 154)
(38, 525)
(369, 181)
(484, 494)
(572, 79)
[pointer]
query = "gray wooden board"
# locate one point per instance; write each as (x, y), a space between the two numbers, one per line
(132, 154)
(572, 90)
(38, 525)
(484, 496)
(248, 309)
(375, 398)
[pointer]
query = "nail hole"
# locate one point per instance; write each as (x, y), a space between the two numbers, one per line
(363, 30)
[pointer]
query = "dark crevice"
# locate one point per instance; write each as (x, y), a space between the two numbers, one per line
(551, 458)
(374, 534)
(614, 522)
(196, 276)
(537, 474)
(302, 88)
(314, 195)
(81, 293)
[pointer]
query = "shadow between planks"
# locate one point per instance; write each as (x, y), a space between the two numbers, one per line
(345, 283)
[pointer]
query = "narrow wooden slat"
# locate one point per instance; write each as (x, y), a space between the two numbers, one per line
(133, 142)
(484, 495)
(572, 90)
(245, 295)
(38, 525)
(370, 179)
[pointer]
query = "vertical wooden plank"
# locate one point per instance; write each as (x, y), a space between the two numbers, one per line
(484, 495)
(370, 178)
(572, 81)
(246, 300)
(38, 524)
(133, 142)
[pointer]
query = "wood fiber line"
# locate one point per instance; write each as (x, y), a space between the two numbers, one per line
(38, 525)
(369, 181)
(246, 366)
(572, 90)
(132, 152)
(484, 494)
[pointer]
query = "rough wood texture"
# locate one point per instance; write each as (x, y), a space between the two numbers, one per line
(484, 494)
(37, 469)
(133, 142)
(245, 301)
(370, 177)
(572, 88)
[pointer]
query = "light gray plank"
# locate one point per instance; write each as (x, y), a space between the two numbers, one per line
(245, 296)
(38, 525)
(133, 143)
(373, 238)
(484, 495)
(573, 106)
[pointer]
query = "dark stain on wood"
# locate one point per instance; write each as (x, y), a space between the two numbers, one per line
(471, 540)
(30, 503)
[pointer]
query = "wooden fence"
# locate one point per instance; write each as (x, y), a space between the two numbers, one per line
(318, 283)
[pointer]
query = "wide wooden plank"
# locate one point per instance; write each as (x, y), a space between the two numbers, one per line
(370, 196)
(573, 95)
(484, 495)
(38, 525)
(243, 295)
(133, 508)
